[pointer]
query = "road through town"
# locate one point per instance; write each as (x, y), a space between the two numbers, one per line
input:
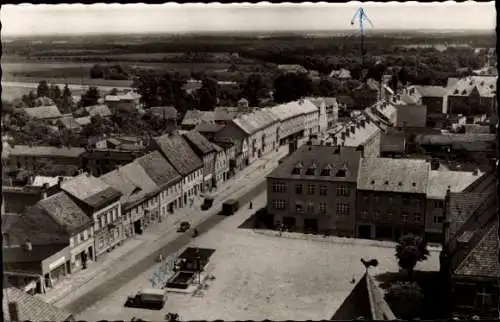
(247, 184)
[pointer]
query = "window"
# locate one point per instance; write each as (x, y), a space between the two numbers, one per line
(298, 189)
(364, 214)
(406, 200)
(82, 237)
(404, 218)
(485, 297)
(323, 190)
(341, 173)
(279, 204)
(342, 190)
(322, 206)
(417, 218)
(279, 187)
(296, 171)
(298, 207)
(326, 172)
(438, 204)
(71, 242)
(342, 209)
(311, 189)
(85, 235)
(310, 207)
(311, 171)
(376, 215)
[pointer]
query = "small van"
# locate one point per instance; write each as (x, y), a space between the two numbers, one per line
(148, 298)
(230, 207)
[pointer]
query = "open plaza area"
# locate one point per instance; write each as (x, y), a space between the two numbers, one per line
(261, 275)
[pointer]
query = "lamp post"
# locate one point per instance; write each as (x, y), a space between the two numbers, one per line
(198, 267)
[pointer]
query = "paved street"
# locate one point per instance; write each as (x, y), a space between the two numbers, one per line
(262, 276)
(82, 290)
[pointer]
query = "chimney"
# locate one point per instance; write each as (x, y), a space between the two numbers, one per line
(475, 172)
(353, 128)
(434, 164)
(59, 182)
(347, 132)
(13, 311)
(334, 140)
(28, 246)
(45, 188)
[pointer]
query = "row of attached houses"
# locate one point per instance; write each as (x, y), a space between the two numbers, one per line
(335, 188)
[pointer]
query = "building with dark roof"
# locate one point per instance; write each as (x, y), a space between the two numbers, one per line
(472, 95)
(35, 252)
(73, 222)
(314, 189)
(206, 151)
(181, 156)
(44, 113)
(411, 115)
(163, 174)
(21, 306)
(469, 259)
(27, 157)
(194, 117)
(391, 197)
(102, 204)
(393, 145)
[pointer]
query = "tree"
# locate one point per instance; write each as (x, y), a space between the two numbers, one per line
(208, 94)
(91, 97)
(406, 299)
(290, 87)
(410, 250)
(96, 71)
(255, 88)
(66, 101)
(43, 89)
(55, 92)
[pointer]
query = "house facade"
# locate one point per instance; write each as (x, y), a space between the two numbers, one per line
(362, 132)
(181, 156)
(101, 203)
(205, 151)
(261, 128)
(471, 95)
(314, 189)
(229, 149)
(233, 134)
(391, 197)
(221, 165)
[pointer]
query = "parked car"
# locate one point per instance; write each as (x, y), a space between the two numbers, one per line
(207, 203)
(230, 207)
(183, 227)
(149, 298)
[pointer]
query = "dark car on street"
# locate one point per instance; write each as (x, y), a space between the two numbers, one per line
(183, 227)
(207, 203)
(230, 207)
(153, 299)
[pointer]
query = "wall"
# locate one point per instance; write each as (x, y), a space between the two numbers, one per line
(434, 104)
(103, 237)
(372, 145)
(434, 208)
(386, 209)
(65, 252)
(327, 220)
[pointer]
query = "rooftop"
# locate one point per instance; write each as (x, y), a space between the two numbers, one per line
(46, 151)
(194, 117)
(450, 138)
(39, 181)
(335, 163)
(43, 112)
(205, 127)
(485, 85)
(362, 133)
(102, 110)
(256, 121)
(136, 174)
(461, 206)
(32, 308)
(90, 190)
(84, 120)
(119, 181)
(69, 123)
(158, 169)
(178, 152)
(482, 260)
(65, 212)
(39, 230)
(200, 144)
(165, 112)
(440, 180)
(395, 175)
(292, 109)
(431, 91)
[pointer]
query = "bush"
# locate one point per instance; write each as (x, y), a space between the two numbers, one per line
(405, 299)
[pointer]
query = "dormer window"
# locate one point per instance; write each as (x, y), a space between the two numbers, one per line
(456, 91)
(341, 173)
(326, 172)
(311, 170)
(297, 168)
(464, 92)
(386, 183)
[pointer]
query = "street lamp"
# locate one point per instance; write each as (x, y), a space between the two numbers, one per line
(198, 267)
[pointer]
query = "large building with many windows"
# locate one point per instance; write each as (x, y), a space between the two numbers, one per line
(314, 190)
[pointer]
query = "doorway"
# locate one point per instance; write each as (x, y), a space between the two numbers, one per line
(138, 227)
(289, 223)
(311, 225)
(365, 231)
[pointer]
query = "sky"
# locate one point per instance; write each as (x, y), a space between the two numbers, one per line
(24, 20)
